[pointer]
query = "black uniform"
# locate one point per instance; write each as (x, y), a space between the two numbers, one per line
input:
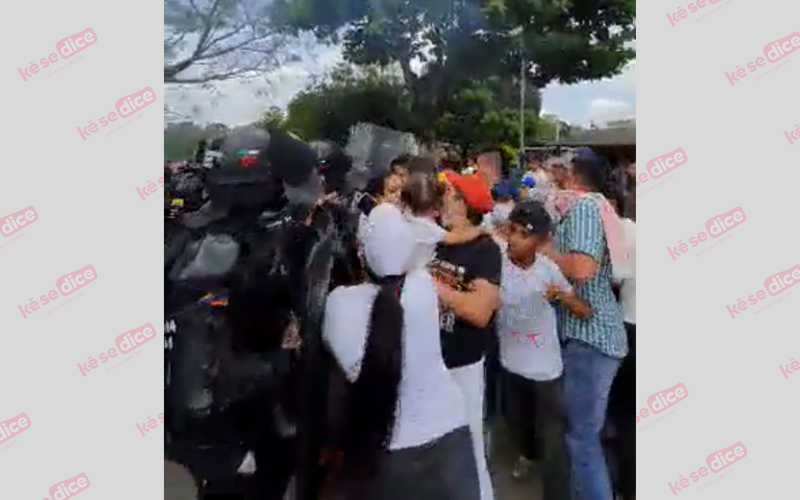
(227, 387)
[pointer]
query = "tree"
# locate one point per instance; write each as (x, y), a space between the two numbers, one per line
(457, 40)
(217, 39)
(477, 117)
(274, 117)
(567, 41)
(549, 128)
(348, 95)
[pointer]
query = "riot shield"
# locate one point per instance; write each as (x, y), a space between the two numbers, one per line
(373, 148)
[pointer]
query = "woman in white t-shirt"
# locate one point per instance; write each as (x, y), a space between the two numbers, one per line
(530, 351)
(406, 435)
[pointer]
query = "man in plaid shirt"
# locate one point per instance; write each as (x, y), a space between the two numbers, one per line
(593, 347)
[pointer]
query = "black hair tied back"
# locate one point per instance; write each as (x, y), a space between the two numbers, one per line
(373, 396)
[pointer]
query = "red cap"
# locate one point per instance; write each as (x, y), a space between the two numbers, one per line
(475, 190)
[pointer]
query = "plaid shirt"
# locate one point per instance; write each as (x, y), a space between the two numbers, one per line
(581, 231)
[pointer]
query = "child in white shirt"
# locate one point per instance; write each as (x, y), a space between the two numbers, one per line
(530, 351)
(422, 197)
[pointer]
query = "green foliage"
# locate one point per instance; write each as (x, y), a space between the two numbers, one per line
(476, 118)
(327, 109)
(564, 40)
(471, 52)
(274, 117)
(482, 113)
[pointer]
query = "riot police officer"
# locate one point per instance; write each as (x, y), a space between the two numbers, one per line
(227, 377)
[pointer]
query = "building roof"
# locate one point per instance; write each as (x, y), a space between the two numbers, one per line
(602, 137)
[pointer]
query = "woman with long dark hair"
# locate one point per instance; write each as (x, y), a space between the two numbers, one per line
(406, 433)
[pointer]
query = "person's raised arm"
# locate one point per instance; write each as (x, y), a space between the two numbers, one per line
(461, 236)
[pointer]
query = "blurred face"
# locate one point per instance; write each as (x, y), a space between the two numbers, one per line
(453, 206)
(392, 187)
(559, 175)
(402, 172)
(487, 168)
(522, 245)
(631, 170)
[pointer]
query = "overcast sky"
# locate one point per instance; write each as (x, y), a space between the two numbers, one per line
(239, 103)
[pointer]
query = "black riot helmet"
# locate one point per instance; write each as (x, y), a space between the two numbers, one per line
(254, 167)
(334, 165)
(238, 173)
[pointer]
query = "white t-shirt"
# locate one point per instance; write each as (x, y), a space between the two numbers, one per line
(526, 326)
(627, 273)
(427, 234)
(430, 404)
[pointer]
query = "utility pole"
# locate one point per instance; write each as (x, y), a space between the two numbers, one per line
(522, 86)
(522, 82)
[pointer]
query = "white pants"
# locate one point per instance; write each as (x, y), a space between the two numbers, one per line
(470, 379)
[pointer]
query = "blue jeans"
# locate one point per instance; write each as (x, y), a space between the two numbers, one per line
(588, 375)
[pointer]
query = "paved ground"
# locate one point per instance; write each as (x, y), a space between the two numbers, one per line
(178, 485)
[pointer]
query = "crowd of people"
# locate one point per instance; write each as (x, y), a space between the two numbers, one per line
(478, 282)
(471, 295)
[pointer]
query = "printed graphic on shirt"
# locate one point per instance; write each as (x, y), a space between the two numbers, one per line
(537, 339)
(447, 320)
(449, 274)
(453, 276)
